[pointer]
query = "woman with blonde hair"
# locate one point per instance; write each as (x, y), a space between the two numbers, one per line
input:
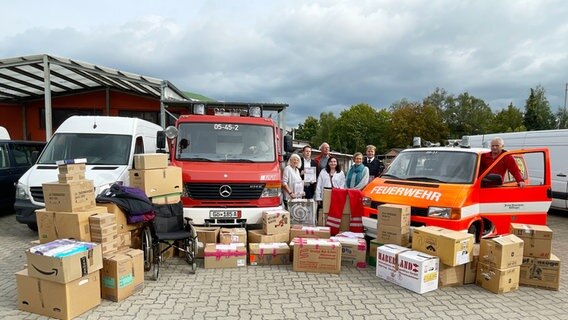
(291, 177)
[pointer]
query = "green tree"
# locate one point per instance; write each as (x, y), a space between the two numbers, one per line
(412, 119)
(562, 119)
(308, 130)
(538, 115)
(508, 120)
(359, 126)
(325, 131)
(469, 115)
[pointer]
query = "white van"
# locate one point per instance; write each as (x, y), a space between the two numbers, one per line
(108, 144)
(555, 140)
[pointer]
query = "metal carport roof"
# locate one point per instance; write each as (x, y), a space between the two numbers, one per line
(31, 77)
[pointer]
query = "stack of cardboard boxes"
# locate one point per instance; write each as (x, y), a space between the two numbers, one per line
(272, 247)
(393, 224)
(161, 183)
(540, 268)
(500, 260)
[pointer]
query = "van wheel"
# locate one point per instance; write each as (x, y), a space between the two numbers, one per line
(32, 226)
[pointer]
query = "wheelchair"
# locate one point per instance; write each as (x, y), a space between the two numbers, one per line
(171, 229)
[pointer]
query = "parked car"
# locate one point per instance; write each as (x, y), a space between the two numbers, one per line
(16, 157)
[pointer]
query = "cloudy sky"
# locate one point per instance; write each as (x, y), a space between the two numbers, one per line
(317, 56)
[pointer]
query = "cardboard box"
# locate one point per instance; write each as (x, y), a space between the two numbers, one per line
(407, 268)
(269, 254)
(393, 235)
(124, 240)
(538, 239)
(53, 225)
(109, 247)
(69, 197)
(394, 215)
(135, 238)
(372, 254)
(122, 274)
(65, 269)
(72, 168)
(70, 177)
(157, 182)
(150, 161)
(353, 251)
(276, 222)
(540, 273)
(102, 220)
(57, 300)
(452, 247)
(451, 276)
(309, 232)
(501, 252)
(122, 224)
(233, 235)
(316, 255)
(166, 199)
(205, 235)
(232, 255)
(497, 280)
(258, 236)
(470, 271)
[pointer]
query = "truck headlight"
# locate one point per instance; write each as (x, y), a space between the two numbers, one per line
(271, 190)
(446, 213)
(366, 201)
(21, 192)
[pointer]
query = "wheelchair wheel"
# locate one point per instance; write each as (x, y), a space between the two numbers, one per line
(190, 246)
(147, 248)
(157, 261)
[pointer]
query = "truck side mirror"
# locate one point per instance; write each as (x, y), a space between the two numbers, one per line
(492, 180)
(288, 143)
(161, 140)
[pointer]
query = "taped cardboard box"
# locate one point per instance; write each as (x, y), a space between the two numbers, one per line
(233, 235)
(297, 231)
(122, 274)
(451, 276)
(497, 280)
(269, 254)
(538, 239)
(72, 168)
(470, 271)
(101, 220)
(316, 255)
(540, 273)
(69, 197)
(258, 236)
(232, 255)
(122, 224)
(206, 235)
(501, 252)
(452, 247)
(157, 182)
(394, 215)
(150, 161)
(275, 222)
(58, 300)
(393, 235)
(53, 225)
(64, 269)
(353, 251)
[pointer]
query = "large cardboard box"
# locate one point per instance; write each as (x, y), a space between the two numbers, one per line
(470, 271)
(157, 182)
(451, 276)
(353, 251)
(53, 225)
(205, 235)
(58, 300)
(233, 235)
(67, 268)
(122, 224)
(497, 280)
(407, 268)
(232, 255)
(297, 231)
(541, 273)
(150, 161)
(69, 197)
(452, 247)
(258, 236)
(501, 252)
(316, 255)
(395, 215)
(269, 254)
(122, 274)
(538, 239)
(393, 235)
(276, 222)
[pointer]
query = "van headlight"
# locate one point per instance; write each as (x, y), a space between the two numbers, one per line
(366, 201)
(21, 193)
(446, 213)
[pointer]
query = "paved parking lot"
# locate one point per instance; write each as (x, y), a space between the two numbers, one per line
(279, 293)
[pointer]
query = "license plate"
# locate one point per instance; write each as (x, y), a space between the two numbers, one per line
(225, 214)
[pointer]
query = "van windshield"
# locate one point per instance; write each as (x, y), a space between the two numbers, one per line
(225, 142)
(99, 149)
(433, 166)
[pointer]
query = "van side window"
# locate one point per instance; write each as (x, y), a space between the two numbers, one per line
(23, 153)
(139, 147)
(522, 167)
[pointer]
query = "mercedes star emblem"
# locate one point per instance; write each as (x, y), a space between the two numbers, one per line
(225, 191)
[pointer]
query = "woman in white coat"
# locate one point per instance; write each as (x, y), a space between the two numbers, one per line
(291, 177)
(331, 177)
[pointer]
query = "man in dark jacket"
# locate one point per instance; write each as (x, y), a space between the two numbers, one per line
(375, 165)
(308, 162)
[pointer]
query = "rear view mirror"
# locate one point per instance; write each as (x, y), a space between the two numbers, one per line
(288, 143)
(492, 180)
(160, 140)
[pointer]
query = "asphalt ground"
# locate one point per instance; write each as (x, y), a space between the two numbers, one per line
(277, 292)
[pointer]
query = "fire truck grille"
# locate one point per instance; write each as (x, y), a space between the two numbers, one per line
(415, 211)
(227, 192)
(37, 194)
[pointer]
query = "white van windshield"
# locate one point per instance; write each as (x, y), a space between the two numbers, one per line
(433, 166)
(99, 149)
(225, 142)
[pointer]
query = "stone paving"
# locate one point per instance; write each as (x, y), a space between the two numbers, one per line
(279, 293)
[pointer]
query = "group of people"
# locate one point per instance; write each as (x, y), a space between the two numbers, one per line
(327, 172)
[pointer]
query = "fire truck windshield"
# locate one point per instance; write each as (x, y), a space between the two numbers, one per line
(225, 142)
(433, 166)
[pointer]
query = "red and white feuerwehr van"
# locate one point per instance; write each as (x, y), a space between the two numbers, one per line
(445, 188)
